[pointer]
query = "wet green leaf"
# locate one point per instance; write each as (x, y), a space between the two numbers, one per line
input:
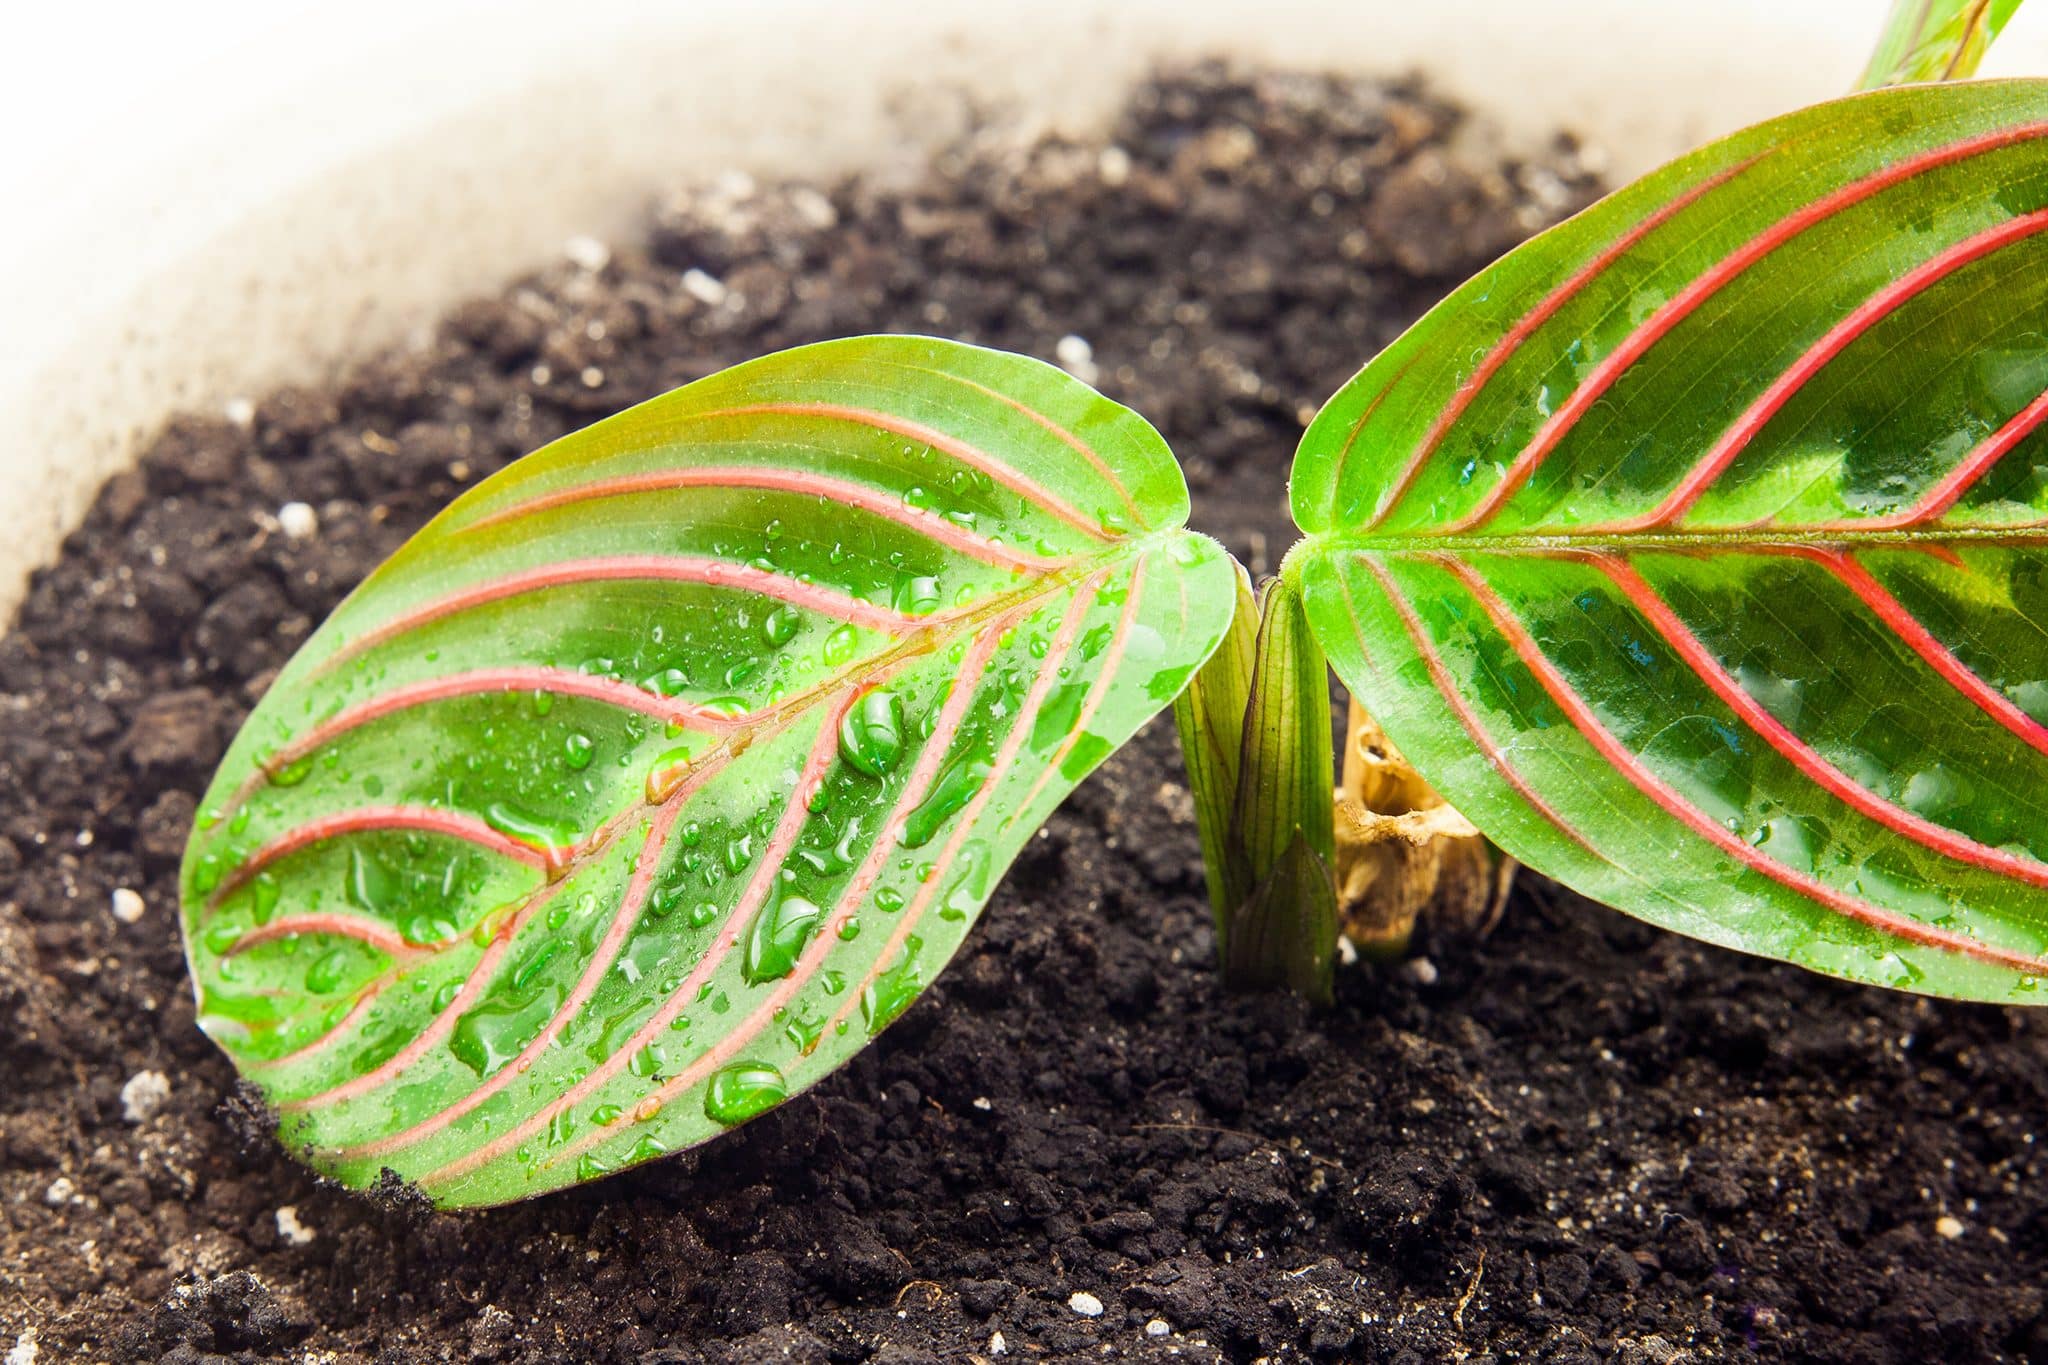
(1696, 550)
(637, 791)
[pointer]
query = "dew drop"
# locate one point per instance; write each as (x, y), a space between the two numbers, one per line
(510, 820)
(534, 963)
(965, 895)
(893, 990)
(328, 971)
(955, 787)
(292, 774)
(263, 896)
(494, 1033)
(871, 734)
(428, 928)
(777, 938)
(369, 884)
(780, 626)
(917, 595)
(666, 682)
(840, 645)
(742, 1090)
(804, 1031)
(577, 750)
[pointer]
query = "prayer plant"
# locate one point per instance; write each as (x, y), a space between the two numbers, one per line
(1694, 552)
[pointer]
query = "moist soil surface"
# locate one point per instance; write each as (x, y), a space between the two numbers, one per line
(1580, 1139)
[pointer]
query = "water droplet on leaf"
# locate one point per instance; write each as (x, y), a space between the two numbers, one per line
(742, 1090)
(893, 990)
(777, 937)
(871, 735)
(917, 596)
(781, 625)
(328, 971)
(954, 788)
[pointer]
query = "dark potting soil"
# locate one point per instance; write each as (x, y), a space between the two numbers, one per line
(1579, 1140)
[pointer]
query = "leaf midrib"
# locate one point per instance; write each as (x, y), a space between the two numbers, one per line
(1543, 542)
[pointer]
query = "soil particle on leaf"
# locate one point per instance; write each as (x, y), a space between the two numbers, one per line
(1580, 1140)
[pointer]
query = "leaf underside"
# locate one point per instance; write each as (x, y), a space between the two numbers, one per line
(1712, 580)
(662, 770)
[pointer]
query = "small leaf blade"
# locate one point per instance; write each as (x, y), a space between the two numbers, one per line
(1689, 549)
(1281, 929)
(1935, 40)
(1283, 936)
(1210, 715)
(1286, 769)
(663, 770)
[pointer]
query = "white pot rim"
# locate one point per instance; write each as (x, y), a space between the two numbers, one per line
(242, 194)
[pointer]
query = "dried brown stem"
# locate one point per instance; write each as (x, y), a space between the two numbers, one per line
(1403, 854)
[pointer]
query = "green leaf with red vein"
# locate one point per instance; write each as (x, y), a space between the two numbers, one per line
(663, 770)
(1698, 550)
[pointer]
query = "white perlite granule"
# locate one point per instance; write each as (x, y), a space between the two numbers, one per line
(1086, 1304)
(587, 253)
(707, 289)
(143, 1095)
(297, 520)
(290, 1228)
(1077, 358)
(127, 905)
